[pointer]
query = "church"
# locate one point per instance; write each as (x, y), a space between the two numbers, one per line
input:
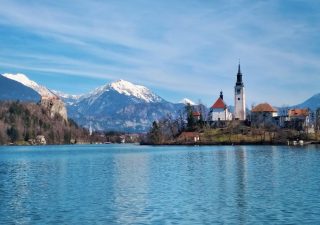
(219, 110)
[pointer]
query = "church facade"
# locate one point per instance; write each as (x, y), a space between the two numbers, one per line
(219, 110)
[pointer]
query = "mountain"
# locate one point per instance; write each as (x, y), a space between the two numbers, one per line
(186, 101)
(67, 98)
(13, 90)
(120, 106)
(48, 99)
(313, 103)
(23, 79)
(137, 93)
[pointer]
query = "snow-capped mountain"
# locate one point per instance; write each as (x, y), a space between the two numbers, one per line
(65, 96)
(137, 92)
(120, 105)
(186, 101)
(12, 90)
(23, 79)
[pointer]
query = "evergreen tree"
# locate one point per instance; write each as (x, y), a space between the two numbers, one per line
(155, 135)
(13, 134)
(191, 122)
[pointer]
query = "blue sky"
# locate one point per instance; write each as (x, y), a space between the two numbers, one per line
(178, 48)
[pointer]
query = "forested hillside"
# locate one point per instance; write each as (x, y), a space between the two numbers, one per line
(24, 123)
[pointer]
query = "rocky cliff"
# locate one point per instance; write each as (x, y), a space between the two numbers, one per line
(55, 106)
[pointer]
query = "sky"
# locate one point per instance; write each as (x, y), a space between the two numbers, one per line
(177, 48)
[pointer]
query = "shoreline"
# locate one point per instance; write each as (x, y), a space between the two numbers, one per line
(186, 144)
(231, 144)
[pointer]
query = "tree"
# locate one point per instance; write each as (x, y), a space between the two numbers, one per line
(191, 122)
(13, 134)
(155, 134)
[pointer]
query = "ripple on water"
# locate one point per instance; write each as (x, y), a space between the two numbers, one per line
(130, 184)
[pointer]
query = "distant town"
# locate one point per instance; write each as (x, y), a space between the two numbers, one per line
(262, 124)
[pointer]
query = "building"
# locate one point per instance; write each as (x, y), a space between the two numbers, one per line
(298, 119)
(219, 110)
(264, 114)
(196, 116)
(239, 98)
(317, 120)
(189, 137)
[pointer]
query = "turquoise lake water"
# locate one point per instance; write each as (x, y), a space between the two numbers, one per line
(132, 184)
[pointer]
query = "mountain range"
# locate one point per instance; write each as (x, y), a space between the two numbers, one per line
(120, 106)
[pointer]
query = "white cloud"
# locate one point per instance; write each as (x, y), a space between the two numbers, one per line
(191, 47)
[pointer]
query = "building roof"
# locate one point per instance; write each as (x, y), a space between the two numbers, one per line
(264, 107)
(219, 104)
(298, 112)
(196, 114)
(187, 134)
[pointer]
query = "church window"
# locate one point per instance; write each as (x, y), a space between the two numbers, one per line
(238, 99)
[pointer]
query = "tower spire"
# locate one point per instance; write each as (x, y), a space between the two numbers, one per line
(239, 76)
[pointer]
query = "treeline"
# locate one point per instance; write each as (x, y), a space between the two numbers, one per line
(189, 129)
(168, 129)
(22, 123)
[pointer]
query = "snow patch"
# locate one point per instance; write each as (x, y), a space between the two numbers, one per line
(66, 96)
(23, 79)
(187, 101)
(126, 88)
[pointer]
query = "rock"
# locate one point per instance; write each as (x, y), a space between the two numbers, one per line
(55, 106)
(32, 141)
(41, 140)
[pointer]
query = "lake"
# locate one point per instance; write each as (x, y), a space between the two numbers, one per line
(132, 184)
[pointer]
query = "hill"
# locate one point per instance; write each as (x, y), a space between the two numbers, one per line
(312, 103)
(22, 123)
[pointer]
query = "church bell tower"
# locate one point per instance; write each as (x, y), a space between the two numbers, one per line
(239, 98)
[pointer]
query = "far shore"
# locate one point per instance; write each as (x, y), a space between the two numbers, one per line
(232, 144)
(241, 143)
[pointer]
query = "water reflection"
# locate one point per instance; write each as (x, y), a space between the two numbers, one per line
(165, 185)
(130, 185)
(241, 184)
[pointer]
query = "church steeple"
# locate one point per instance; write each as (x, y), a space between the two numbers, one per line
(239, 98)
(221, 95)
(239, 77)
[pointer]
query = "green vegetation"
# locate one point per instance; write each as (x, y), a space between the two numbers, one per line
(190, 130)
(21, 123)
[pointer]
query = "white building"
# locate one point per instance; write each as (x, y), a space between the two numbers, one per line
(219, 111)
(239, 98)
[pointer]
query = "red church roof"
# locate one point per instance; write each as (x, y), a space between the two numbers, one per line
(219, 104)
